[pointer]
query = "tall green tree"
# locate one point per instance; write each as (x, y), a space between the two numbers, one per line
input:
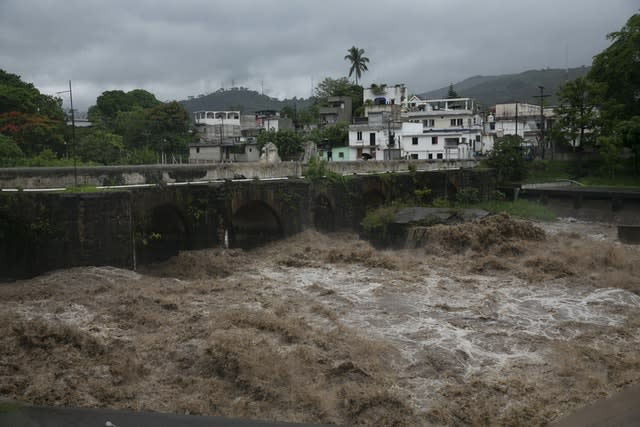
(19, 96)
(507, 159)
(99, 146)
(112, 102)
(618, 66)
(451, 94)
(579, 110)
(358, 62)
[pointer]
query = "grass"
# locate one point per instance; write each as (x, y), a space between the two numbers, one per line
(587, 173)
(9, 406)
(548, 171)
(82, 189)
(519, 208)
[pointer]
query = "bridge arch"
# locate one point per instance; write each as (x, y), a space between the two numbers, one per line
(253, 224)
(323, 214)
(161, 234)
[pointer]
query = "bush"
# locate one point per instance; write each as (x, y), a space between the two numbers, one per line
(468, 196)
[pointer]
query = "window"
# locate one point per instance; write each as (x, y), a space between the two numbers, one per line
(414, 140)
(440, 155)
(434, 140)
(428, 123)
(341, 155)
(359, 136)
(197, 149)
(430, 156)
(414, 156)
(456, 122)
(492, 125)
(372, 138)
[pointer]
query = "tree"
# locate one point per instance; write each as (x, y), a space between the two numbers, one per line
(112, 102)
(336, 135)
(288, 142)
(507, 159)
(619, 67)
(99, 146)
(33, 132)
(358, 62)
(16, 95)
(340, 87)
(10, 153)
(579, 117)
(452, 93)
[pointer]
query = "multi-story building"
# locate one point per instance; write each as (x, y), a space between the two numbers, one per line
(338, 109)
(442, 129)
(375, 136)
(518, 119)
(384, 94)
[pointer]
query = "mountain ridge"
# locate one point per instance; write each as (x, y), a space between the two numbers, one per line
(520, 87)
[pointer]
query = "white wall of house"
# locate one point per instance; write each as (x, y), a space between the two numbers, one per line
(393, 94)
(217, 118)
(367, 139)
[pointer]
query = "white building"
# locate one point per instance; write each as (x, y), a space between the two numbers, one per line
(448, 129)
(374, 137)
(518, 119)
(384, 94)
(433, 145)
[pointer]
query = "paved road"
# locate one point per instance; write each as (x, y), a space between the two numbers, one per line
(34, 416)
(621, 410)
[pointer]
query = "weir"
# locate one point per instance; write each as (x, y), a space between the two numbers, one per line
(42, 231)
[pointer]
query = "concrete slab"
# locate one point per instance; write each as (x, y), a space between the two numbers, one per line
(37, 416)
(621, 410)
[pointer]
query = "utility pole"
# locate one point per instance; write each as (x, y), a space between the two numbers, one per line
(542, 96)
(516, 118)
(73, 135)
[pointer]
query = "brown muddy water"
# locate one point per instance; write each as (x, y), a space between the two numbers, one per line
(494, 322)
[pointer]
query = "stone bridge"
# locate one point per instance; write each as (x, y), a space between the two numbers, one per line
(41, 231)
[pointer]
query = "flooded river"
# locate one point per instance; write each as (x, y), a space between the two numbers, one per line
(499, 321)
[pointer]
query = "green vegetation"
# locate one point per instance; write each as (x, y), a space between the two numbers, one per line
(519, 208)
(317, 170)
(491, 90)
(358, 62)
(9, 406)
(340, 87)
(507, 159)
(128, 128)
(83, 188)
(288, 142)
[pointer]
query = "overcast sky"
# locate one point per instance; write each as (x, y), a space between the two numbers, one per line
(175, 49)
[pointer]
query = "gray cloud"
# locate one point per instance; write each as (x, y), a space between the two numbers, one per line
(177, 49)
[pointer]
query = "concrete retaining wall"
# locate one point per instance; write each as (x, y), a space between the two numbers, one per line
(63, 177)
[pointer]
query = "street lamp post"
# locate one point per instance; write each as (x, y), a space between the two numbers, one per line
(73, 135)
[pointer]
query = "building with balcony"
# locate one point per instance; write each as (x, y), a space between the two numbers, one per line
(337, 110)
(518, 119)
(449, 128)
(386, 94)
(375, 137)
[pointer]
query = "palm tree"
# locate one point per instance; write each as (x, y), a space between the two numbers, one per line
(358, 62)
